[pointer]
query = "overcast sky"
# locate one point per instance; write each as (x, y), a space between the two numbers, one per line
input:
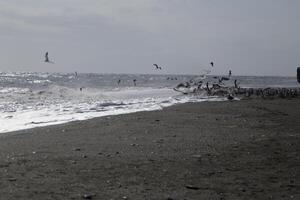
(250, 37)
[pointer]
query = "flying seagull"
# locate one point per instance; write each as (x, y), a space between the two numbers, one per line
(47, 58)
(223, 79)
(157, 67)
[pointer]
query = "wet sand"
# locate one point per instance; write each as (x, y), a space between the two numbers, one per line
(246, 149)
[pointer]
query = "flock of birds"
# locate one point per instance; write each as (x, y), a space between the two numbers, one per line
(217, 87)
(192, 82)
(47, 60)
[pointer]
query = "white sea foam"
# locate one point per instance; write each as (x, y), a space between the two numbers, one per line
(60, 105)
(29, 100)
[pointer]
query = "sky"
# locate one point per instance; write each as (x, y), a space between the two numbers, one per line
(248, 37)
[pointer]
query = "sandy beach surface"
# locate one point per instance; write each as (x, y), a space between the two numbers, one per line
(246, 149)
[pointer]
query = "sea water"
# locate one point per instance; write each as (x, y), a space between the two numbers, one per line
(30, 100)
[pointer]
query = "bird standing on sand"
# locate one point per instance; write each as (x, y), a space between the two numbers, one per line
(157, 67)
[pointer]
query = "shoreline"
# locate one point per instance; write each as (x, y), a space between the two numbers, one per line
(209, 150)
(41, 120)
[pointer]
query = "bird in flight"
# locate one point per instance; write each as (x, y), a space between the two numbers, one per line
(47, 58)
(157, 67)
(223, 79)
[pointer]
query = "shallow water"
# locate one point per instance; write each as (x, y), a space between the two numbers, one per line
(29, 100)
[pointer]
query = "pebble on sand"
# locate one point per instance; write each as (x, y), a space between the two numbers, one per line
(88, 196)
(192, 187)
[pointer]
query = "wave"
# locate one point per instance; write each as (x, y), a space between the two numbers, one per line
(30, 100)
(61, 104)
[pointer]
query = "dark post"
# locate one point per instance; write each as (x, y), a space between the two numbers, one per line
(298, 74)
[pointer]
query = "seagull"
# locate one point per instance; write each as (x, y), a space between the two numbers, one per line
(47, 58)
(207, 88)
(236, 85)
(223, 79)
(157, 67)
(202, 76)
(229, 97)
(212, 64)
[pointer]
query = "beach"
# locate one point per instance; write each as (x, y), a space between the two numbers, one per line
(247, 149)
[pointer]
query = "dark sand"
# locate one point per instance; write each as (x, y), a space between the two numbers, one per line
(245, 149)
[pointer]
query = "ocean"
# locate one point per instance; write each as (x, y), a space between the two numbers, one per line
(29, 100)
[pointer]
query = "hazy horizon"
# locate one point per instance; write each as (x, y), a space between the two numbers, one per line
(163, 74)
(249, 37)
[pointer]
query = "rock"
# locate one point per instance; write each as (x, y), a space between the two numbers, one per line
(76, 149)
(191, 187)
(12, 179)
